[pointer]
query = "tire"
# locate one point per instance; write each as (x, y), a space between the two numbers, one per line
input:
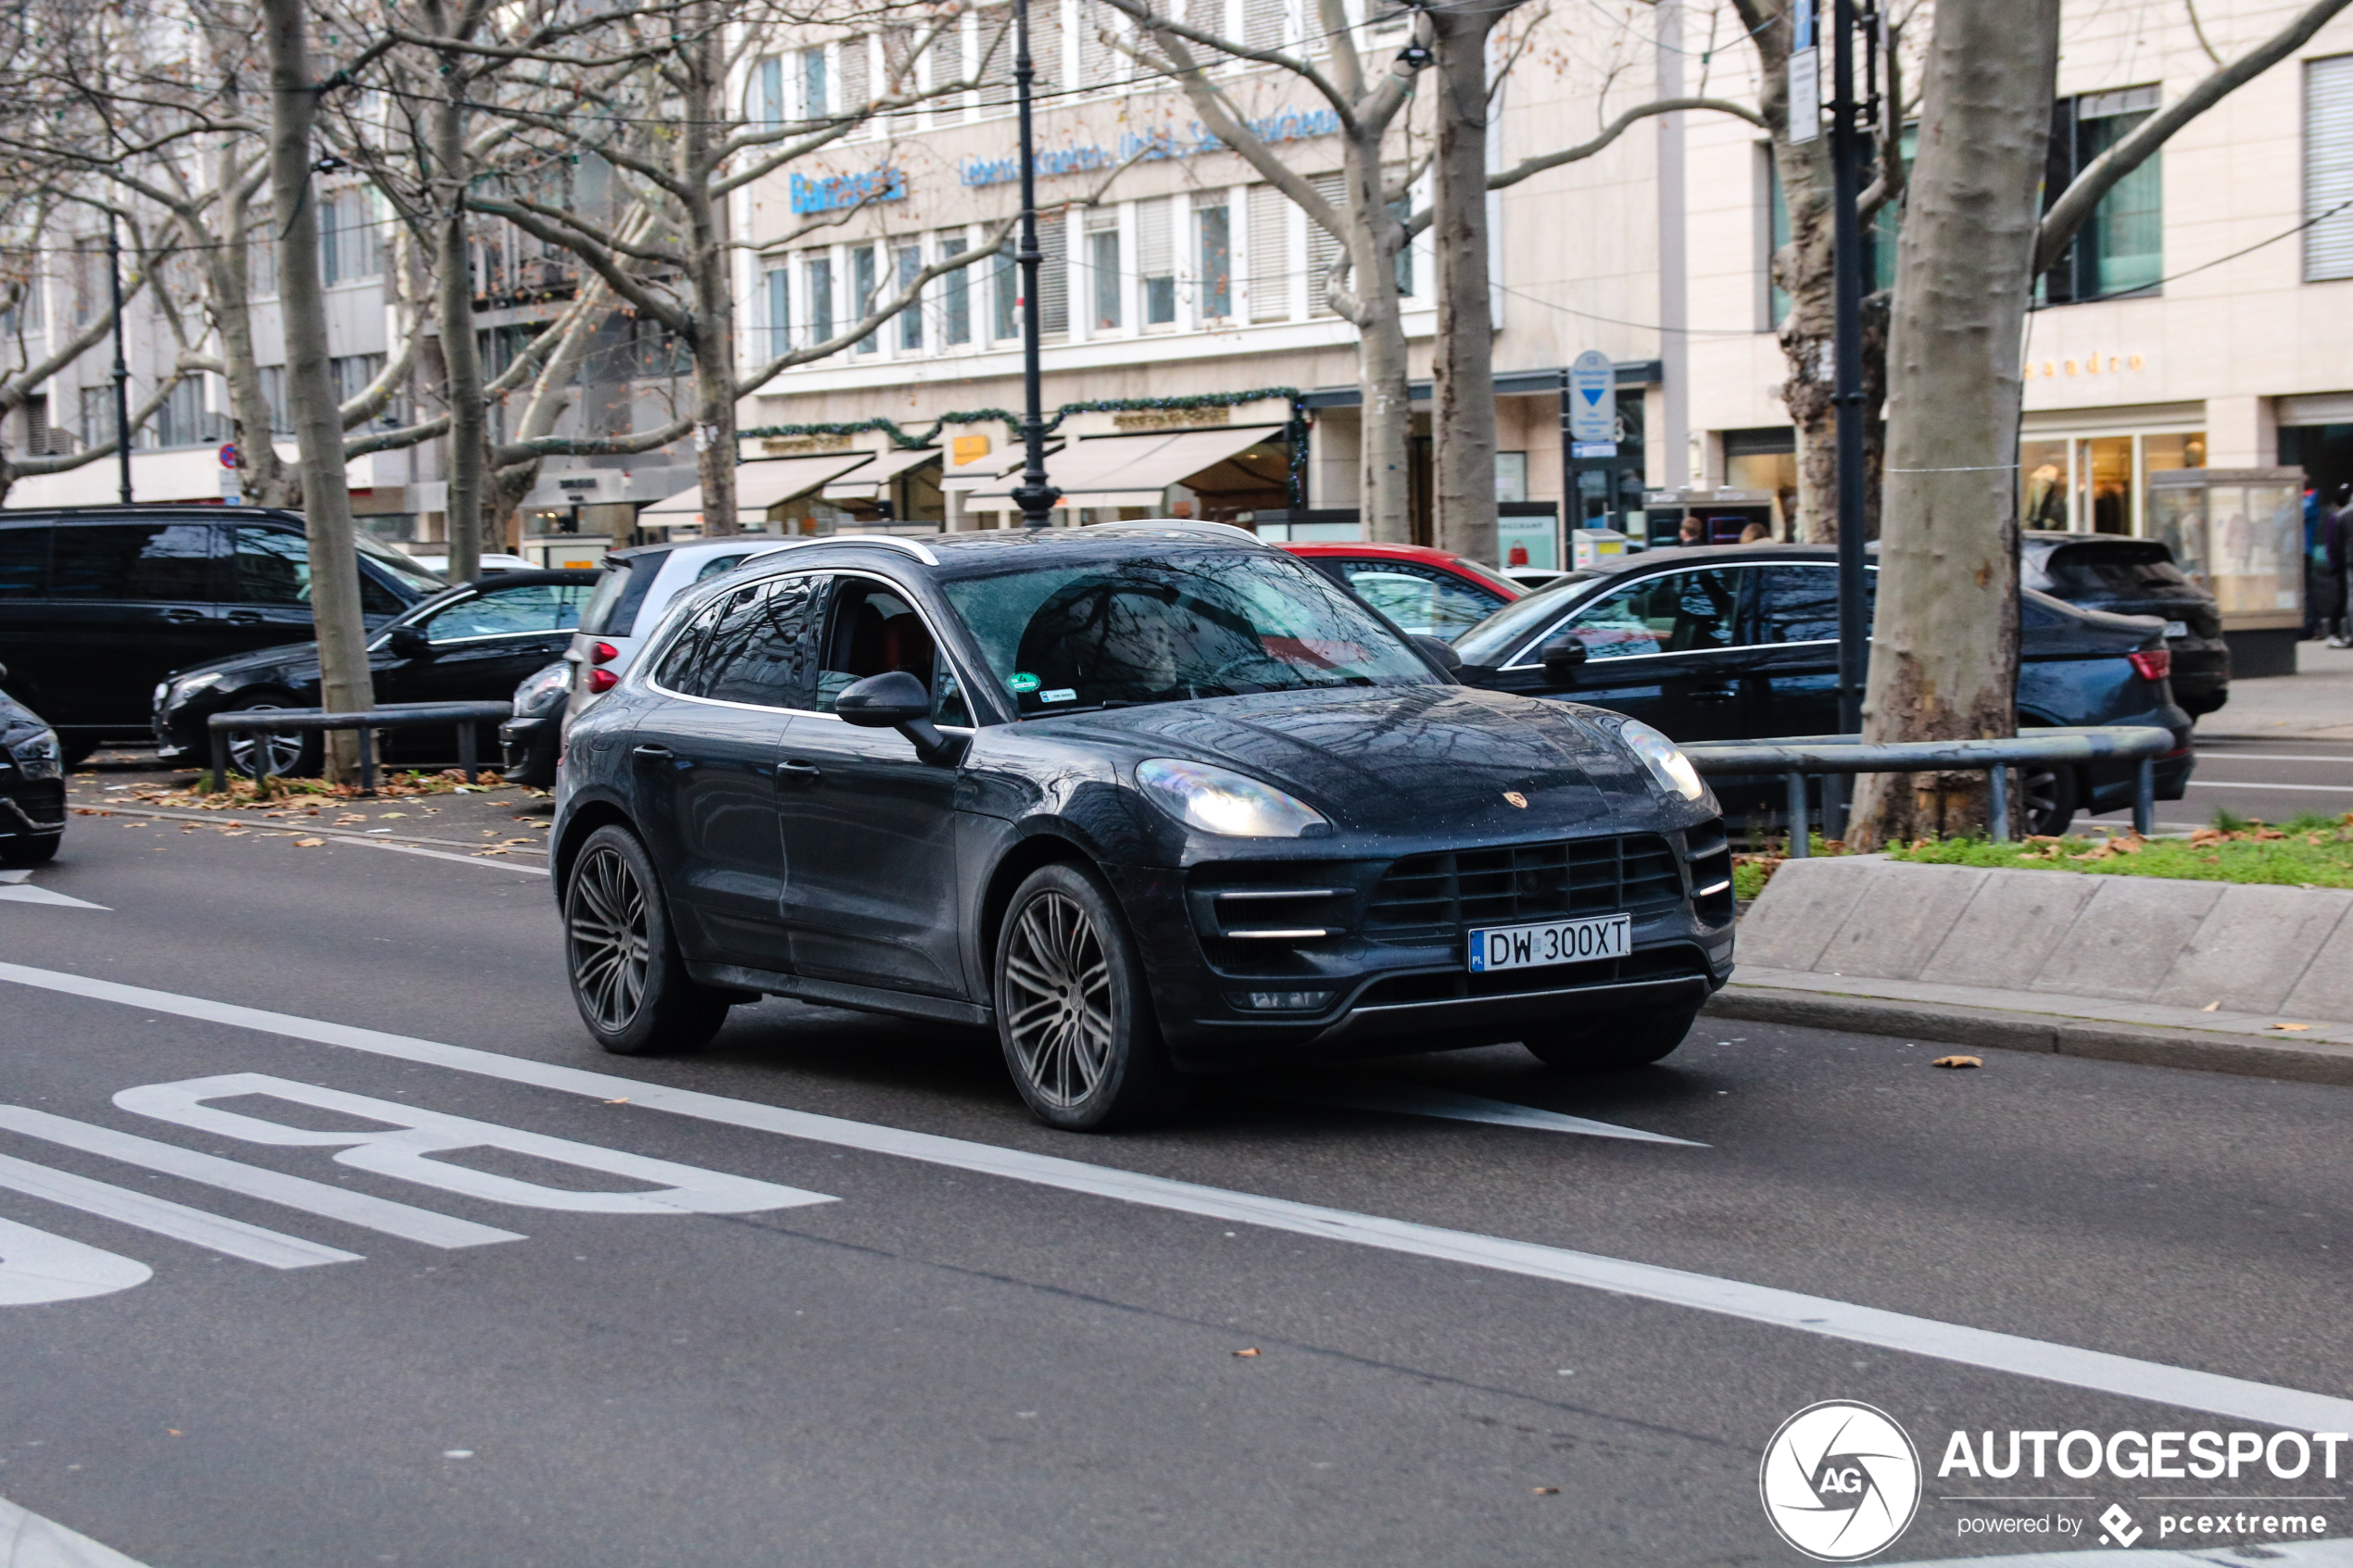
(1626, 1039)
(31, 851)
(2048, 799)
(622, 957)
(301, 754)
(1074, 1010)
(72, 754)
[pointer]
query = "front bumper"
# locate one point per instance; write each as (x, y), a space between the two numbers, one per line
(1373, 988)
(32, 808)
(518, 736)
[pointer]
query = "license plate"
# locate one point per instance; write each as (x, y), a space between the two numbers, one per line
(1559, 941)
(2177, 628)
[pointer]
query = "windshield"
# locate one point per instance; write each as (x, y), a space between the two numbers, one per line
(405, 569)
(1492, 639)
(1174, 628)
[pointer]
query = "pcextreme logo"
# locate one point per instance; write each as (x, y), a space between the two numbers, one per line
(1840, 1481)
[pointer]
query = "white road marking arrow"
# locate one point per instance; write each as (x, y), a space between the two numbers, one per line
(25, 892)
(1411, 1099)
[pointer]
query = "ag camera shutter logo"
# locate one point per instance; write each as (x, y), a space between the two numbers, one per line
(1840, 1481)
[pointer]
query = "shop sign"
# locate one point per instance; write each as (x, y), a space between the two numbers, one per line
(794, 446)
(1284, 125)
(1171, 419)
(2088, 365)
(848, 190)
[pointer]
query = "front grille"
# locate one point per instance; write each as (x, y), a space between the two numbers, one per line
(1646, 963)
(1431, 897)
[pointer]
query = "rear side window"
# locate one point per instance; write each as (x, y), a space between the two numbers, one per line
(2112, 568)
(269, 565)
(753, 645)
(24, 562)
(612, 610)
(1423, 600)
(132, 560)
(1799, 604)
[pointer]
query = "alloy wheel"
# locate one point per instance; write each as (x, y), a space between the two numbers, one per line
(608, 937)
(1058, 982)
(284, 750)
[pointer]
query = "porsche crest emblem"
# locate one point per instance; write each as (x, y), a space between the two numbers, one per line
(1516, 798)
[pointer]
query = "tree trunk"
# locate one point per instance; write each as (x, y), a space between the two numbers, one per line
(267, 481)
(711, 261)
(453, 297)
(1385, 490)
(1463, 373)
(1945, 637)
(345, 684)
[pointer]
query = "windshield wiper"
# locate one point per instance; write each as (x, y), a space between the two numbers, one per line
(1058, 710)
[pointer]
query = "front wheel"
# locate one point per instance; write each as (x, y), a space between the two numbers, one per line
(630, 984)
(31, 851)
(1074, 1009)
(2048, 799)
(1627, 1039)
(284, 754)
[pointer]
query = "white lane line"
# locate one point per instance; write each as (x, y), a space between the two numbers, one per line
(25, 892)
(2206, 756)
(2307, 789)
(2099, 1371)
(273, 1187)
(1413, 1101)
(2273, 1554)
(501, 861)
(213, 1232)
(27, 1540)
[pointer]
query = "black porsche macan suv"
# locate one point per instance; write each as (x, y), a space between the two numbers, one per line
(1146, 799)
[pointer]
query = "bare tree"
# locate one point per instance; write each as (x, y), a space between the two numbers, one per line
(1945, 637)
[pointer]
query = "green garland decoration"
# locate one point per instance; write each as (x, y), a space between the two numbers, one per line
(1294, 430)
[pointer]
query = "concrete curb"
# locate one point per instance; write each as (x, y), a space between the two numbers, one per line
(2004, 1029)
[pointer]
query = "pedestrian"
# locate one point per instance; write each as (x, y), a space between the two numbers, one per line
(2338, 529)
(1754, 533)
(1694, 532)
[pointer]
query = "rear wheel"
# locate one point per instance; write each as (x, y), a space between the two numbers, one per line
(2048, 797)
(628, 978)
(1625, 1039)
(1074, 1009)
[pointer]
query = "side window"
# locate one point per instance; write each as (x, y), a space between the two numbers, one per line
(1423, 602)
(869, 630)
(1797, 604)
(509, 612)
(268, 565)
(24, 562)
(759, 647)
(132, 560)
(1674, 613)
(677, 670)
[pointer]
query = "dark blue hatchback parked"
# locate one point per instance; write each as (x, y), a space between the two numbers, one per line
(1146, 798)
(1740, 643)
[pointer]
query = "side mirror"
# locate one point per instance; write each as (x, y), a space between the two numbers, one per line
(1564, 659)
(1443, 651)
(898, 701)
(409, 643)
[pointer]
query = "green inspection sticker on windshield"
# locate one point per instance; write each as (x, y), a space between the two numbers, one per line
(1024, 682)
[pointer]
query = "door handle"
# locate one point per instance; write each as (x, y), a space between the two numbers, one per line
(244, 617)
(801, 772)
(184, 616)
(1715, 694)
(653, 753)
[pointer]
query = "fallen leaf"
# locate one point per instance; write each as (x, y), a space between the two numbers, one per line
(1545, 1491)
(1251, 1352)
(2293, 1028)
(175, 1432)
(387, 816)
(1958, 1061)
(623, 1101)
(308, 843)
(2214, 1005)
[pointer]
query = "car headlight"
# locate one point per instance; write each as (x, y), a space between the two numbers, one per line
(177, 692)
(1664, 759)
(544, 692)
(39, 755)
(1221, 801)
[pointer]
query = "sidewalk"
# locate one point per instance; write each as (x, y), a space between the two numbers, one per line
(2316, 703)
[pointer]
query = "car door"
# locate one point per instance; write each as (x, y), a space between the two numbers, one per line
(1663, 647)
(128, 603)
(704, 765)
(483, 647)
(266, 588)
(869, 828)
(1796, 636)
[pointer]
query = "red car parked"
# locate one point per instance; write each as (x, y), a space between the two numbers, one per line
(1429, 593)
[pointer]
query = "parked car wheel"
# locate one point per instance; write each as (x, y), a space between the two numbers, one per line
(1073, 1011)
(1633, 1040)
(29, 851)
(630, 984)
(295, 754)
(2049, 799)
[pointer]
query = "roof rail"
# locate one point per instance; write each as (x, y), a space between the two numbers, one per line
(889, 541)
(1181, 524)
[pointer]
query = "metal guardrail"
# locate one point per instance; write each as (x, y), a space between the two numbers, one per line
(262, 722)
(1796, 756)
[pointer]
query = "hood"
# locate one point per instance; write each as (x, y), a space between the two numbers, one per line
(1414, 759)
(299, 658)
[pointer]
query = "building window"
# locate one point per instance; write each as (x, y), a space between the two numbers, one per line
(347, 245)
(955, 294)
(1323, 248)
(764, 93)
(273, 394)
(776, 291)
(1269, 255)
(1216, 262)
(2121, 248)
(184, 421)
(353, 373)
(1102, 266)
(821, 298)
(261, 263)
(1053, 276)
(1156, 259)
(864, 280)
(857, 75)
(1005, 277)
(97, 416)
(815, 103)
(1776, 236)
(2098, 484)
(910, 320)
(2328, 169)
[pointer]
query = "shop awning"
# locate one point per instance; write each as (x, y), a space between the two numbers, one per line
(984, 471)
(1130, 471)
(759, 486)
(866, 484)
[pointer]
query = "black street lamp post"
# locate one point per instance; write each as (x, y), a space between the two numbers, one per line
(1032, 496)
(122, 366)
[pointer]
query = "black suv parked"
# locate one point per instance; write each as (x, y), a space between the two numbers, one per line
(2138, 577)
(97, 604)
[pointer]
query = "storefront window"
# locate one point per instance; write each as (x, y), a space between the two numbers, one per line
(2104, 484)
(2042, 468)
(2099, 484)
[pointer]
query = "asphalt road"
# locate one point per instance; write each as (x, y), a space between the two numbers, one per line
(881, 1317)
(2272, 779)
